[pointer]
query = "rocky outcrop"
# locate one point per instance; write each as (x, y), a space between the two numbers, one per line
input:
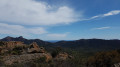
(8, 60)
(34, 48)
(11, 44)
(17, 52)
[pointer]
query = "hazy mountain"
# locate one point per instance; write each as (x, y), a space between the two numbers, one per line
(90, 43)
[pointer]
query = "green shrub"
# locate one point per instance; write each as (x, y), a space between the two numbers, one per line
(56, 51)
(41, 60)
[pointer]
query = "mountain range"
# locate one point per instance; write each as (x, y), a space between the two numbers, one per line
(76, 44)
(26, 41)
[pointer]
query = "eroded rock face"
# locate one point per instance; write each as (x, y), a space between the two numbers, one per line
(8, 60)
(34, 48)
(34, 45)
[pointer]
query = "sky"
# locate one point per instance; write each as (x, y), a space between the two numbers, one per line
(60, 19)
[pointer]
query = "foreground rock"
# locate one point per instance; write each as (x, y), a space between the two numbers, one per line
(8, 60)
(18, 52)
(15, 51)
(20, 46)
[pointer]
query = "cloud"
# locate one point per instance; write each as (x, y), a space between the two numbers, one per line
(31, 12)
(101, 28)
(20, 30)
(114, 12)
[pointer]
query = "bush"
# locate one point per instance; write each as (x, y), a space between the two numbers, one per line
(104, 59)
(56, 51)
(41, 60)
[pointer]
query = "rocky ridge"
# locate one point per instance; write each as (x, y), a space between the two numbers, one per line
(18, 52)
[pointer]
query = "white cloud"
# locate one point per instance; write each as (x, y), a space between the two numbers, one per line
(101, 28)
(31, 12)
(20, 30)
(114, 12)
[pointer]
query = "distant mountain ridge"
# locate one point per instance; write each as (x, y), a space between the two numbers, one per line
(82, 43)
(26, 41)
(90, 43)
